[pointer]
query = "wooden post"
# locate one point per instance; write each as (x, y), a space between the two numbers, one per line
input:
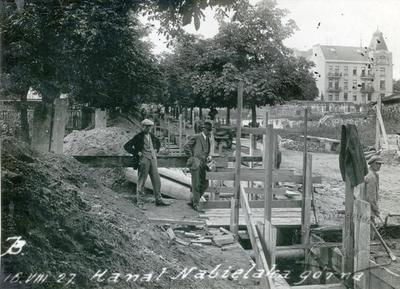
(383, 130)
(250, 183)
(268, 140)
(377, 126)
(58, 126)
(168, 132)
(306, 207)
(234, 226)
(362, 242)
(348, 233)
(305, 147)
(180, 134)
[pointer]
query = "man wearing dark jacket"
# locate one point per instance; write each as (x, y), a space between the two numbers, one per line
(144, 147)
(198, 149)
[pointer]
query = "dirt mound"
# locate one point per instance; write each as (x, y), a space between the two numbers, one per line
(100, 141)
(74, 225)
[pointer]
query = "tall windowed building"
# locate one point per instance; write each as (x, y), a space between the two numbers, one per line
(353, 74)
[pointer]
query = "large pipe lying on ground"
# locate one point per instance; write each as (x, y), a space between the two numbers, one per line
(168, 187)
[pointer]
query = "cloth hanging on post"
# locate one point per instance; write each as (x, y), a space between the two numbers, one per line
(351, 157)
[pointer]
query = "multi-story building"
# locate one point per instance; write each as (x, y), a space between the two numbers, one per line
(353, 74)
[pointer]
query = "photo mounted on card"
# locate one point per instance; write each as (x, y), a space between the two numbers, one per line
(199, 144)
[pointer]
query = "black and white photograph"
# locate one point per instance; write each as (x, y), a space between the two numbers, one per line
(200, 144)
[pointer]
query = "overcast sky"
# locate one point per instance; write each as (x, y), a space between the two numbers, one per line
(342, 22)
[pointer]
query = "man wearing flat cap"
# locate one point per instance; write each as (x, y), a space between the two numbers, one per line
(144, 147)
(198, 149)
(372, 183)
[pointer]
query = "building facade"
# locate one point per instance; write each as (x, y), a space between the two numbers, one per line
(353, 74)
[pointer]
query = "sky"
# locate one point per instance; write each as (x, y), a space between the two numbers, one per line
(341, 22)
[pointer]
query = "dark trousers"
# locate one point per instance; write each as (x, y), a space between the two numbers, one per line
(148, 167)
(199, 183)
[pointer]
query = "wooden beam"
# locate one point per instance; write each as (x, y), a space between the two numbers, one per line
(268, 167)
(175, 221)
(256, 244)
(254, 204)
(254, 130)
(228, 191)
(180, 133)
(259, 175)
(382, 125)
(321, 286)
(377, 126)
(348, 233)
(362, 242)
(306, 204)
(166, 161)
(234, 226)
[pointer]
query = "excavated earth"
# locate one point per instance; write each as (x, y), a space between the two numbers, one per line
(74, 224)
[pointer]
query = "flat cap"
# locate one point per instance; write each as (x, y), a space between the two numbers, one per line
(147, 122)
(375, 159)
(207, 123)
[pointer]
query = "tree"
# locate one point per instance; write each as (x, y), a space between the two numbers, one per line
(396, 86)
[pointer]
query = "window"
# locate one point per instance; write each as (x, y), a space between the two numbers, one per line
(354, 97)
(337, 70)
(363, 98)
(363, 72)
(354, 70)
(330, 97)
(382, 71)
(330, 85)
(330, 70)
(363, 85)
(354, 84)
(345, 96)
(346, 85)
(337, 84)
(382, 85)
(369, 96)
(336, 96)
(346, 71)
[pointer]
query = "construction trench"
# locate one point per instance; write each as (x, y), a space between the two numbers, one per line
(278, 233)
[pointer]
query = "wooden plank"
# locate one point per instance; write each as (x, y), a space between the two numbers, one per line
(234, 228)
(254, 130)
(306, 204)
(176, 221)
(362, 241)
(228, 191)
(255, 241)
(180, 133)
(348, 233)
(383, 129)
(254, 204)
(268, 167)
(258, 175)
(321, 286)
(377, 125)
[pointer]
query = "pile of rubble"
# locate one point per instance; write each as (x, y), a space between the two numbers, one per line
(298, 145)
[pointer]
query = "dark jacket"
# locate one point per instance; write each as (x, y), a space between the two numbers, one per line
(135, 145)
(351, 157)
(197, 149)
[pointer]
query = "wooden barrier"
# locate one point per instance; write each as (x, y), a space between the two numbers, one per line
(259, 175)
(254, 204)
(256, 244)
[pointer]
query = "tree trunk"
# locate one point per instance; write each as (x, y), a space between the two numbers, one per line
(228, 115)
(254, 124)
(200, 113)
(24, 119)
(191, 115)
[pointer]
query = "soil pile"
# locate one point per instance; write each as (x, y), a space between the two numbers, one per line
(99, 141)
(74, 225)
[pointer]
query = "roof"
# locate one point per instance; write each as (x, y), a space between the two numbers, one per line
(344, 53)
(394, 98)
(377, 41)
